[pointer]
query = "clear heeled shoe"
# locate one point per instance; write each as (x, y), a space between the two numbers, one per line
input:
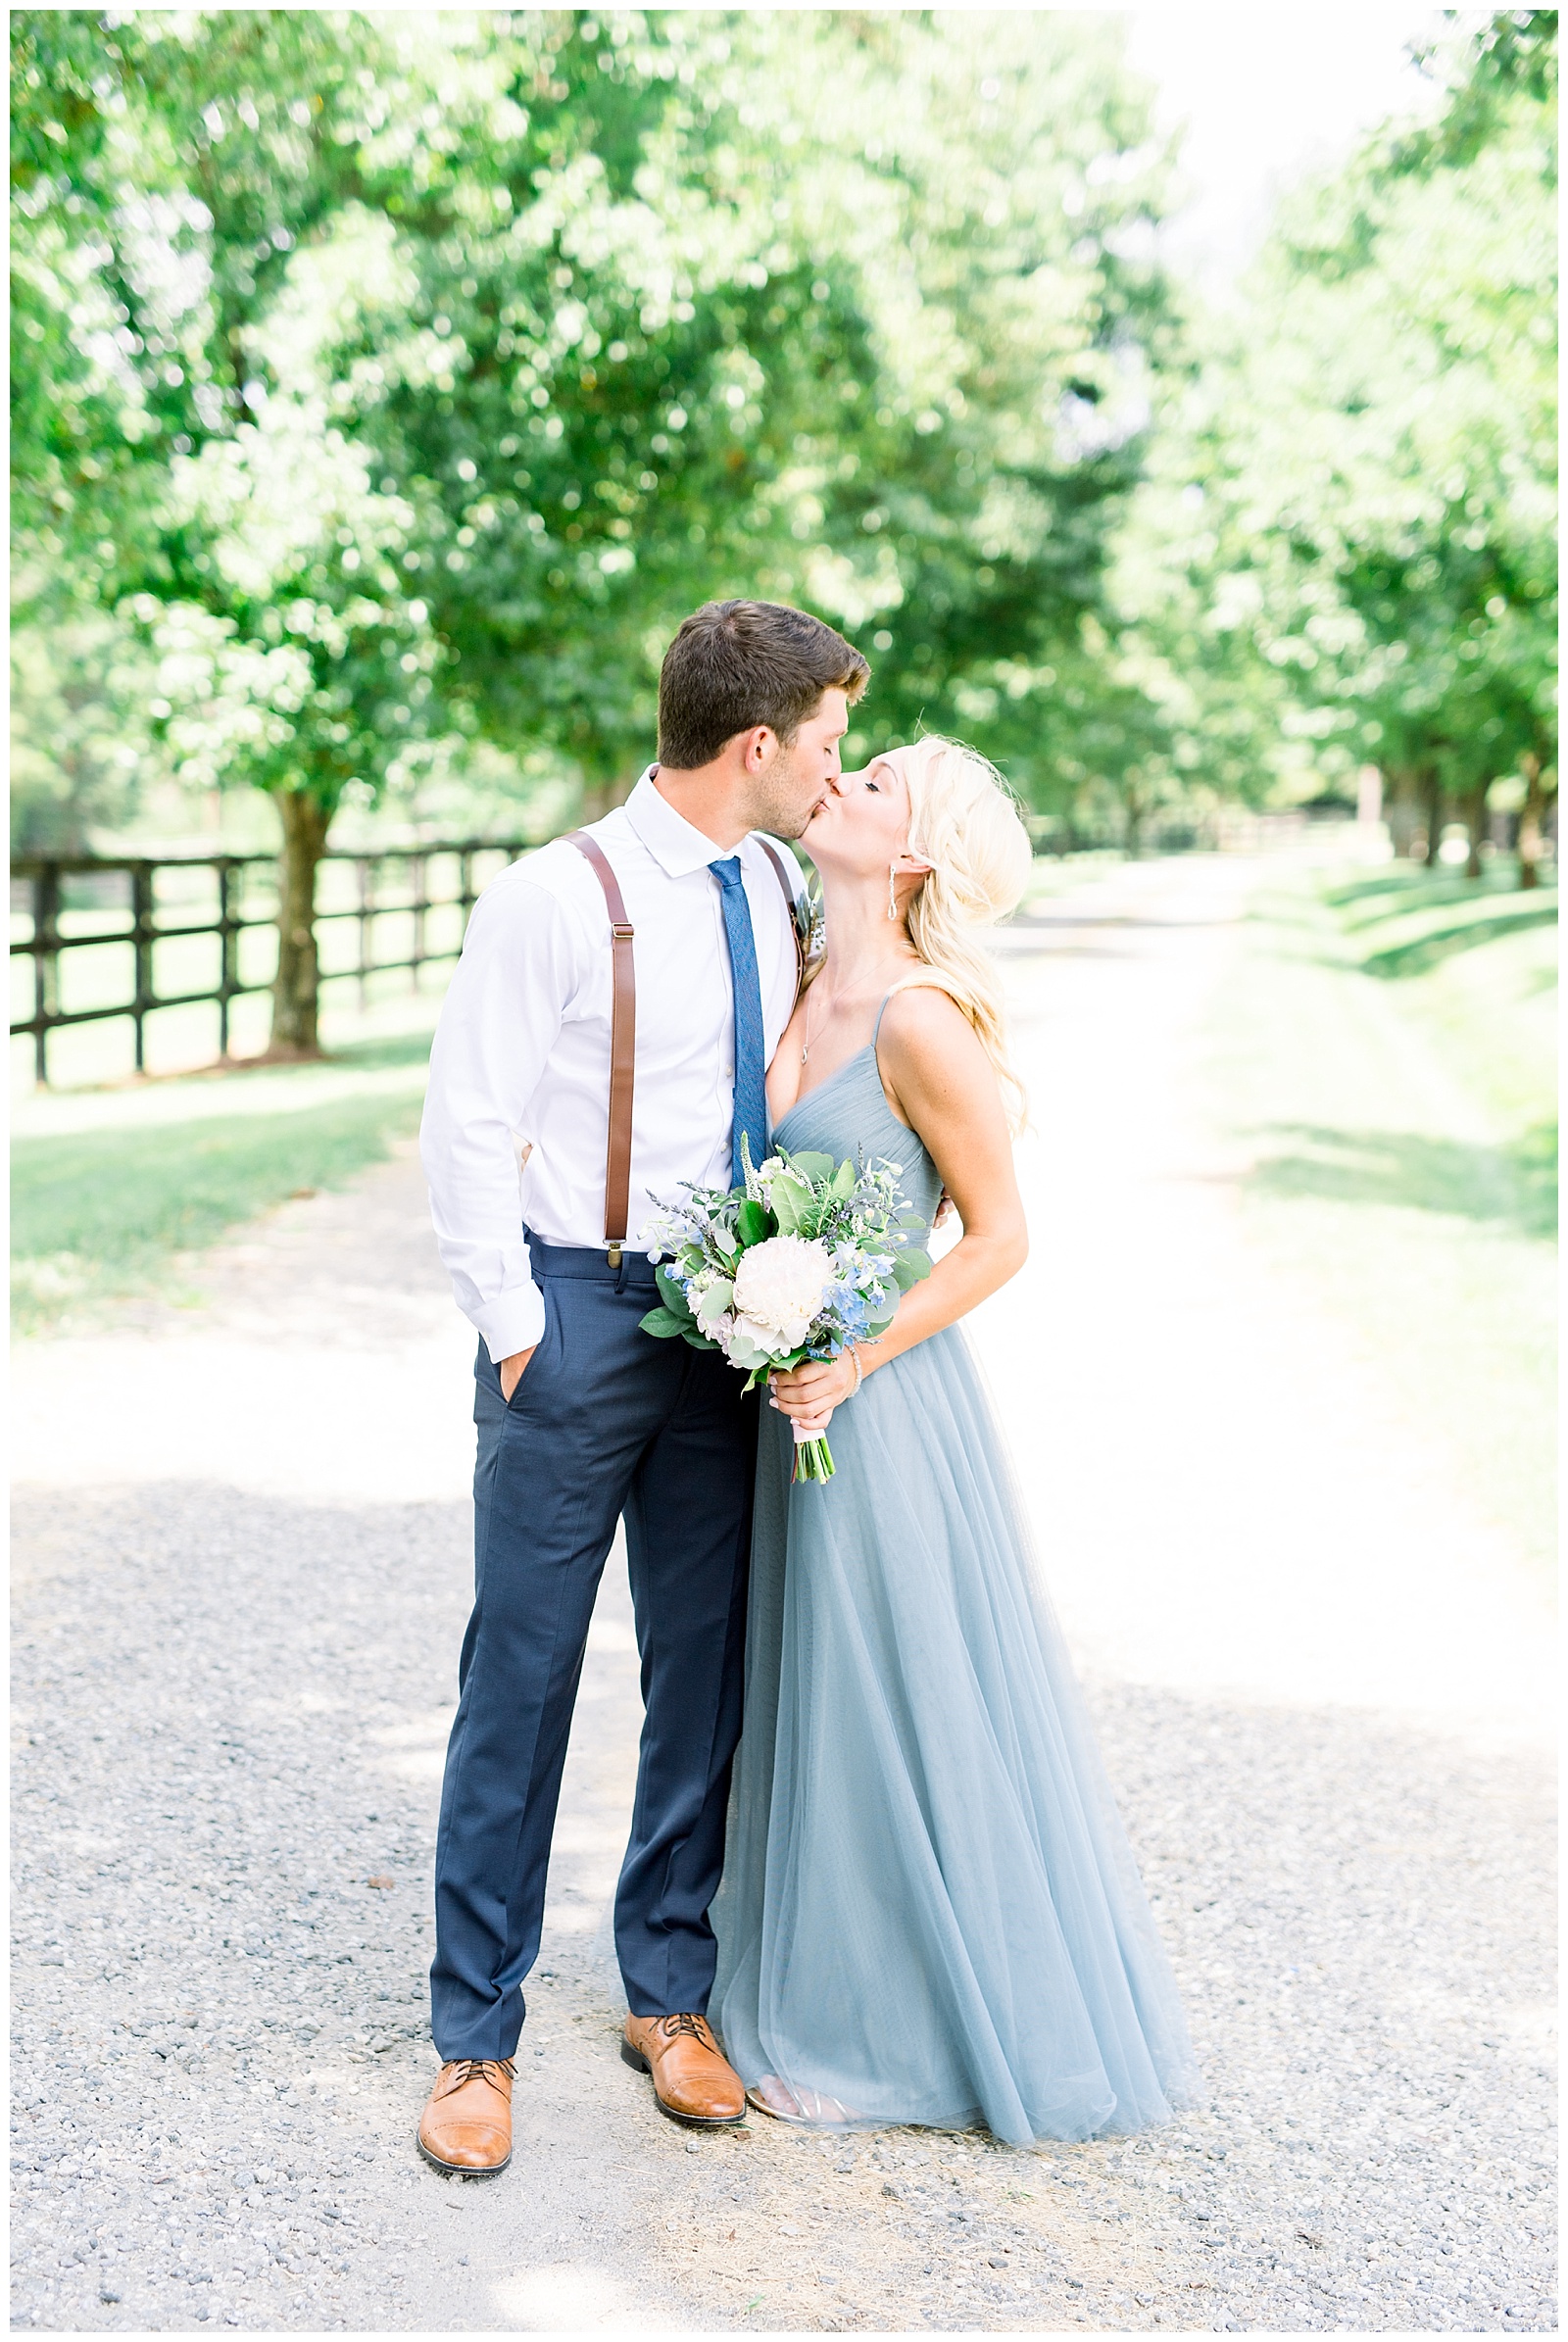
(789, 2102)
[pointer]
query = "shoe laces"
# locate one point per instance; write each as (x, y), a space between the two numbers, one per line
(485, 2069)
(696, 2028)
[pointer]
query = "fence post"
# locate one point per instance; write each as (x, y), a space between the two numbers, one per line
(420, 873)
(45, 964)
(45, 947)
(367, 871)
(141, 930)
(228, 951)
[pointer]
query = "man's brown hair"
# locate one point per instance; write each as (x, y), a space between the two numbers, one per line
(735, 664)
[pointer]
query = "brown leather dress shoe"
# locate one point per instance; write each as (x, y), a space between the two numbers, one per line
(466, 2124)
(692, 2082)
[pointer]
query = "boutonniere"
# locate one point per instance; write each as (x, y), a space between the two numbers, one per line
(810, 923)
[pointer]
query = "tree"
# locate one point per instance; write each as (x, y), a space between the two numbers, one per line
(441, 364)
(359, 274)
(1378, 463)
(144, 272)
(984, 195)
(894, 376)
(79, 732)
(84, 462)
(444, 365)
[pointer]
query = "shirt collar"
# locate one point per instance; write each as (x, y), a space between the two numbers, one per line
(668, 836)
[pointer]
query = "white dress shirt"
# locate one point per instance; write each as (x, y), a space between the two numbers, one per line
(520, 1064)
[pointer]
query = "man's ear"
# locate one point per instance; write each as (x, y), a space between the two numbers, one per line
(757, 746)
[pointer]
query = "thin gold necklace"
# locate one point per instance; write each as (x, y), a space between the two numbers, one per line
(806, 1037)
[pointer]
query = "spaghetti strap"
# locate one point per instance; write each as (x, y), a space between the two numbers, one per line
(922, 983)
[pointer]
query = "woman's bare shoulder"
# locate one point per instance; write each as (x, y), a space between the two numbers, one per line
(923, 1025)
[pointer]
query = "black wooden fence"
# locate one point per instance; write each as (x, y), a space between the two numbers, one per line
(63, 902)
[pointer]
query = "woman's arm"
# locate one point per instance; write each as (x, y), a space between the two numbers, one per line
(945, 1086)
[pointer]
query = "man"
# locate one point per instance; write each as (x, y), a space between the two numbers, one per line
(618, 1001)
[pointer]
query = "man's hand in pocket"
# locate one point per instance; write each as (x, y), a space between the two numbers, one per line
(511, 1371)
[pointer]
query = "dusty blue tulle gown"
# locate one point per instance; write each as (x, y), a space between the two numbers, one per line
(930, 1913)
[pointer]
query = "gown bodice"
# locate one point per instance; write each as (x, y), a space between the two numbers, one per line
(847, 1116)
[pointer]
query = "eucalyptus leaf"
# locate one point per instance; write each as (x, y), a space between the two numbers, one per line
(713, 1301)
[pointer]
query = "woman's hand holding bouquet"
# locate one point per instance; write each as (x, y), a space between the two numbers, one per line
(806, 1258)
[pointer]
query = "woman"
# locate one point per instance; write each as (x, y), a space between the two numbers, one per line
(929, 1912)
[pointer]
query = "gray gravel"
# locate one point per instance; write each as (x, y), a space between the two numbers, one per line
(229, 1715)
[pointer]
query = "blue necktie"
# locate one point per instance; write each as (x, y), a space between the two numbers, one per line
(750, 1068)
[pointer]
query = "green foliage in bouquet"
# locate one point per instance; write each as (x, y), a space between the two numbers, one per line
(805, 1257)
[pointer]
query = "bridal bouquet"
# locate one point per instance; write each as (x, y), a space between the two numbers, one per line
(808, 1256)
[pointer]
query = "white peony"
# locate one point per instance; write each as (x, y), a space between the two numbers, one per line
(710, 1304)
(744, 1341)
(780, 1284)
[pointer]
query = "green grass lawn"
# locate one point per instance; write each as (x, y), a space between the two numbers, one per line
(1387, 1056)
(104, 1210)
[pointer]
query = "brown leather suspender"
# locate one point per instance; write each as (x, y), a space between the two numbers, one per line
(623, 1028)
(794, 911)
(622, 1046)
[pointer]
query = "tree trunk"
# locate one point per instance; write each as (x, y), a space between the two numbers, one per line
(601, 793)
(1475, 821)
(1400, 811)
(1530, 823)
(295, 988)
(1434, 808)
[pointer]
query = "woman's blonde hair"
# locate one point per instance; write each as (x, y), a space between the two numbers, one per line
(965, 822)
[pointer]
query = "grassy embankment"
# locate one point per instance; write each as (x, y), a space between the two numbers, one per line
(1388, 1059)
(115, 1190)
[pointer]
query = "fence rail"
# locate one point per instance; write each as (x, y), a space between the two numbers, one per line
(64, 899)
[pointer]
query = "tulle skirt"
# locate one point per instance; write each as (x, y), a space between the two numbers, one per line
(930, 1913)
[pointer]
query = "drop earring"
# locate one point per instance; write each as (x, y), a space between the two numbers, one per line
(892, 901)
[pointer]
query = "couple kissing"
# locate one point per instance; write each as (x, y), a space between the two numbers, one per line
(875, 1874)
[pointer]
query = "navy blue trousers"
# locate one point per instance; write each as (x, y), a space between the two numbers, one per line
(605, 1422)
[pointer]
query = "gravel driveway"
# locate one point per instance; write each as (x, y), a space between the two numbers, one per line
(235, 1647)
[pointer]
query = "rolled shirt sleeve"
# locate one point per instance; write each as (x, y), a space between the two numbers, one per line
(503, 1013)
